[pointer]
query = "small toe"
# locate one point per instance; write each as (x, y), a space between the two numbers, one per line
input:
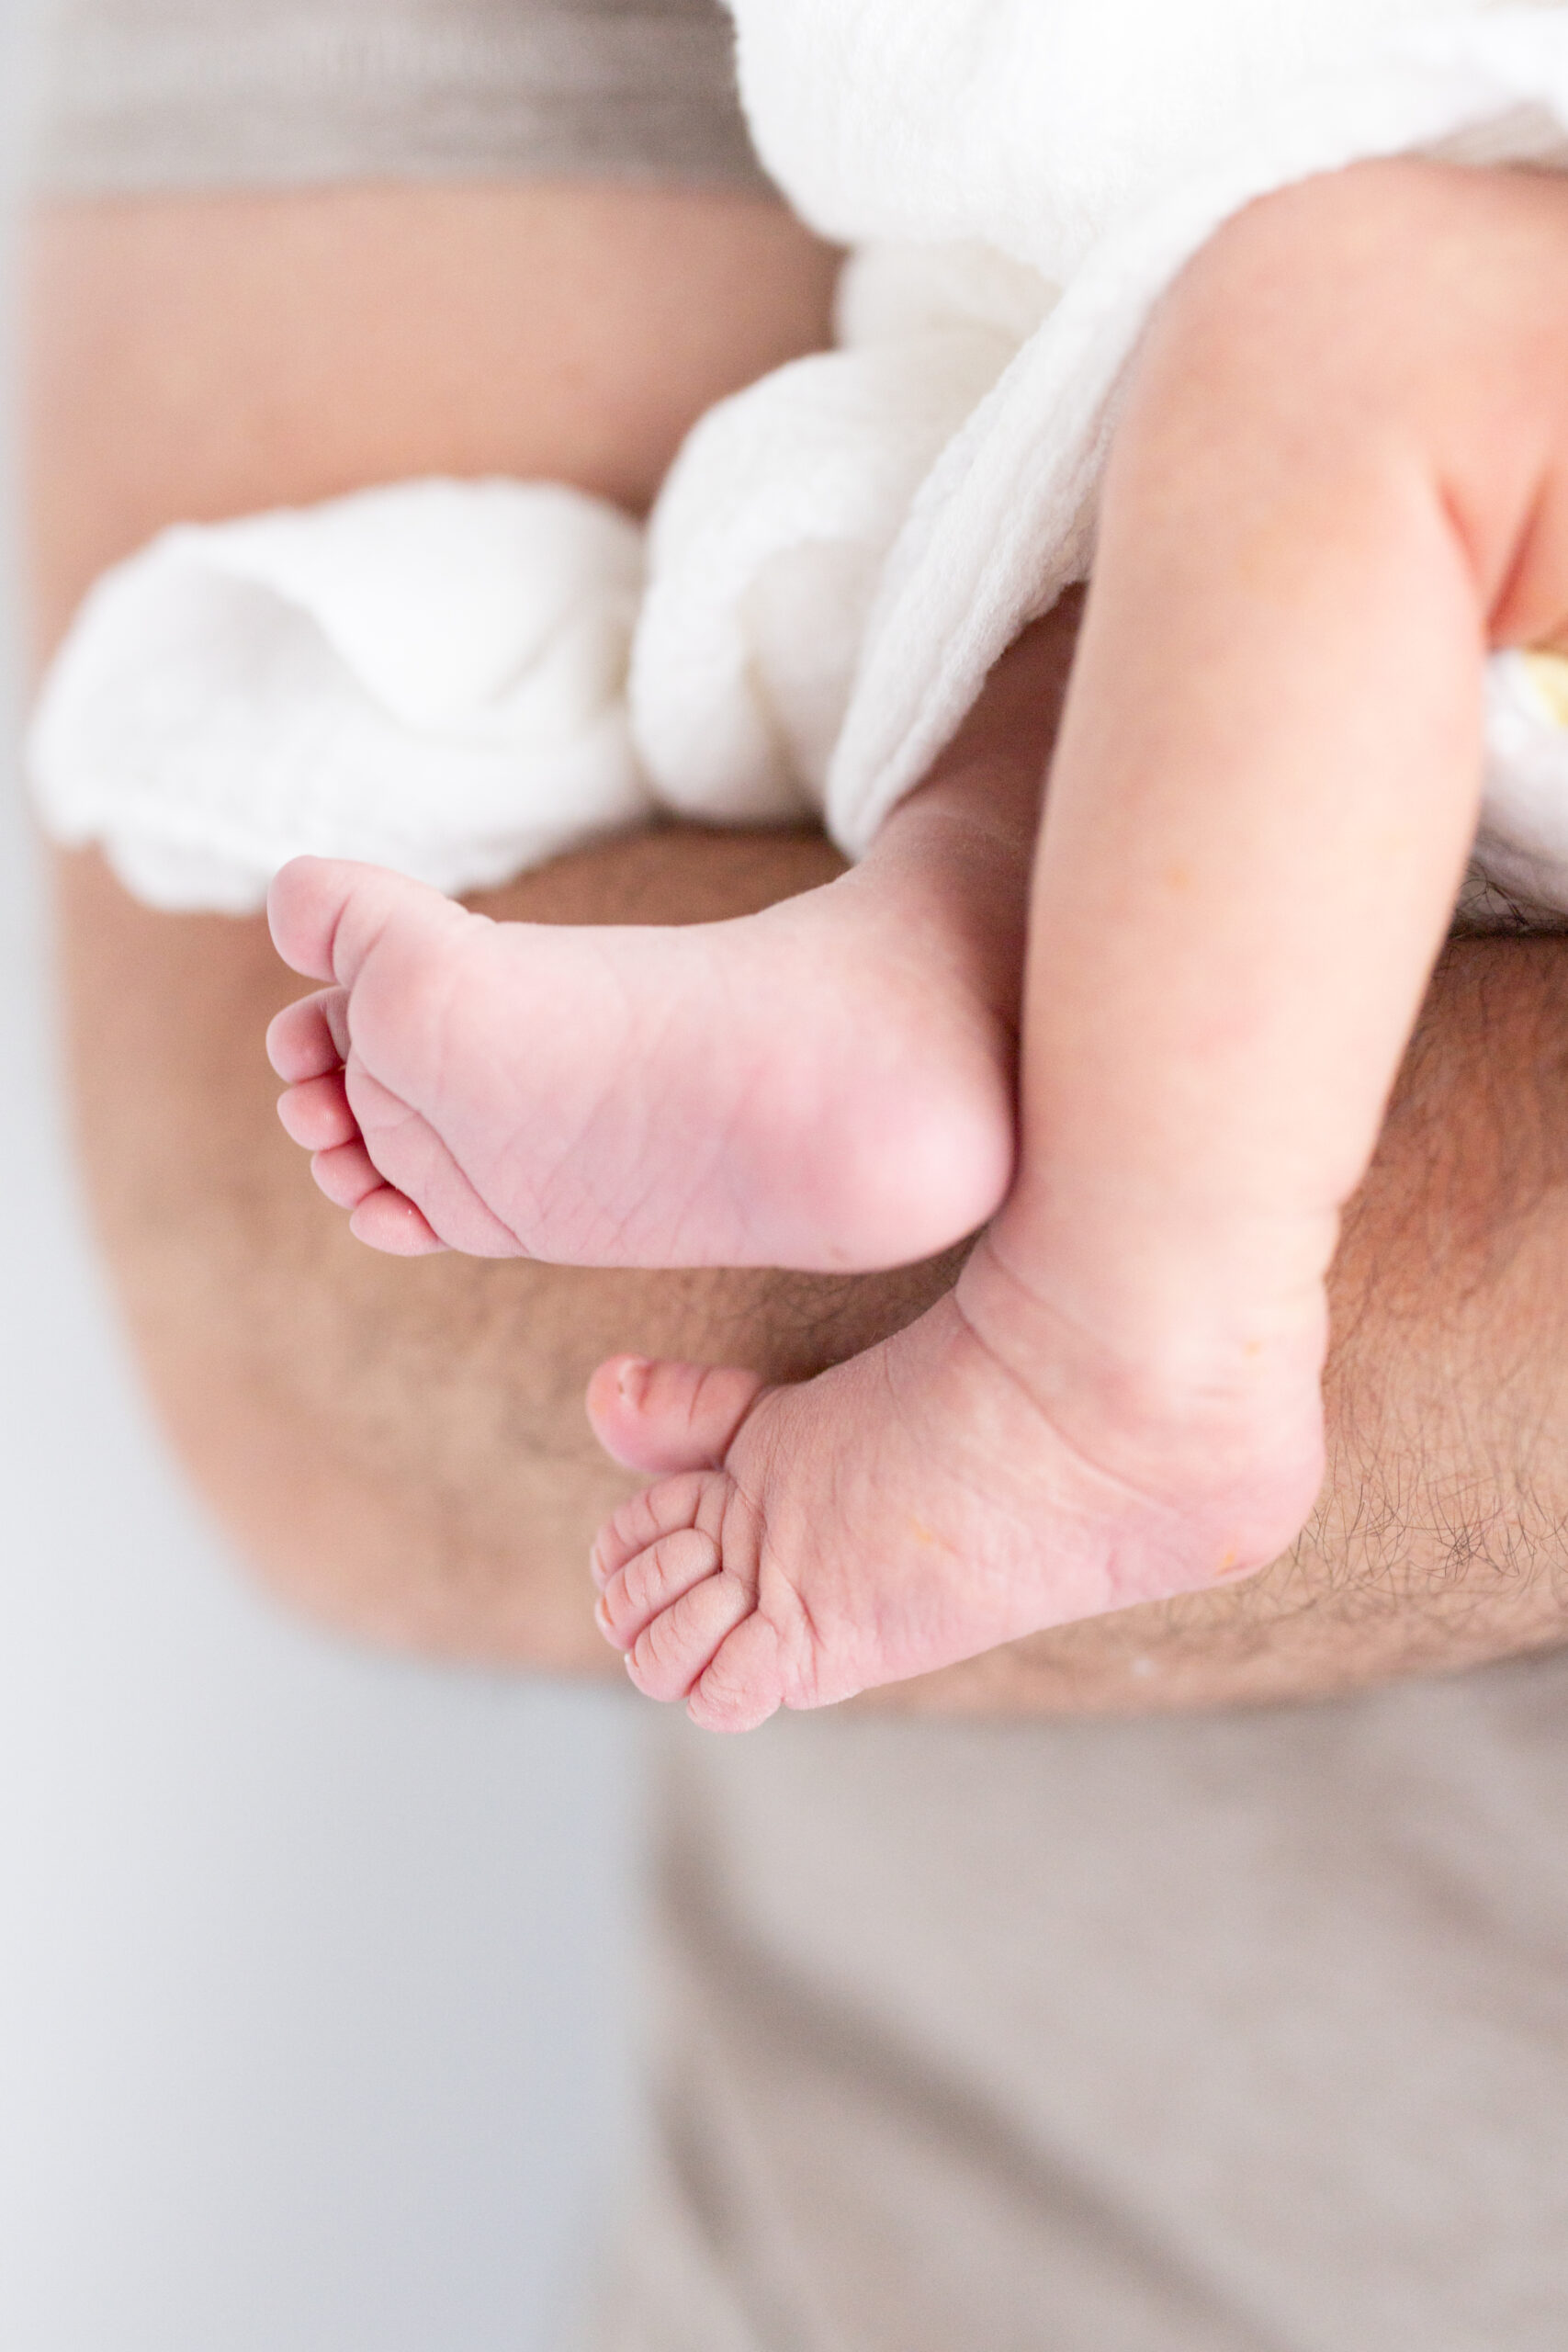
(316, 1114)
(741, 1687)
(661, 1416)
(678, 1645)
(347, 1174)
(654, 1580)
(388, 1221)
(308, 1039)
(657, 1511)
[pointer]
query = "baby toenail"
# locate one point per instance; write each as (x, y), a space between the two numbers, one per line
(631, 1380)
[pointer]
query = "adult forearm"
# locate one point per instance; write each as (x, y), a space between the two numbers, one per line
(191, 357)
(403, 1448)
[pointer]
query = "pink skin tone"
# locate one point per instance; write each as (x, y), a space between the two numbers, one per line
(1338, 476)
(829, 1084)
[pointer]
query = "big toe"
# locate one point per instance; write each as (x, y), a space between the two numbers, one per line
(660, 1417)
(326, 913)
(304, 907)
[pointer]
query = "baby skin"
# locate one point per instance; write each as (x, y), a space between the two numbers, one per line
(1338, 477)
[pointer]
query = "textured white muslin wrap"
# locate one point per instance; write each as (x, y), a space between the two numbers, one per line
(459, 680)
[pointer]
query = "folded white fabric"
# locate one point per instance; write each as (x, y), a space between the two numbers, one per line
(447, 678)
(430, 677)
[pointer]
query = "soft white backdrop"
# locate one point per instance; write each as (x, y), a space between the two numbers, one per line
(311, 2033)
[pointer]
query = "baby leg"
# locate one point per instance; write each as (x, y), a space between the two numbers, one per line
(829, 1084)
(1340, 470)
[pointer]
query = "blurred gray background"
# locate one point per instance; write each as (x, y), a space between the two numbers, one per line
(311, 2015)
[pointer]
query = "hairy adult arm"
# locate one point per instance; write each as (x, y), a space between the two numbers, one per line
(401, 1447)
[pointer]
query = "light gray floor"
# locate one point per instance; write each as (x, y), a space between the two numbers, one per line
(310, 2032)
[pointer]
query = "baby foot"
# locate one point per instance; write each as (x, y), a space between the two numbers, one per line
(941, 1495)
(806, 1086)
(826, 1085)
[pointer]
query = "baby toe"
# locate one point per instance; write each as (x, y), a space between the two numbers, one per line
(653, 1581)
(328, 913)
(657, 1511)
(665, 1416)
(673, 1650)
(388, 1221)
(347, 1174)
(309, 1038)
(316, 1115)
(743, 1684)
(304, 907)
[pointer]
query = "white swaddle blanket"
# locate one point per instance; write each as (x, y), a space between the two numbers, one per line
(459, 680)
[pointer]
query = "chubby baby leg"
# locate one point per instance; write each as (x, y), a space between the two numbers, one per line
(826, 1085)
(1341, 473)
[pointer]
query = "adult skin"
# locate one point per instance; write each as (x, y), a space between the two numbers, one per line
(402, 1446)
